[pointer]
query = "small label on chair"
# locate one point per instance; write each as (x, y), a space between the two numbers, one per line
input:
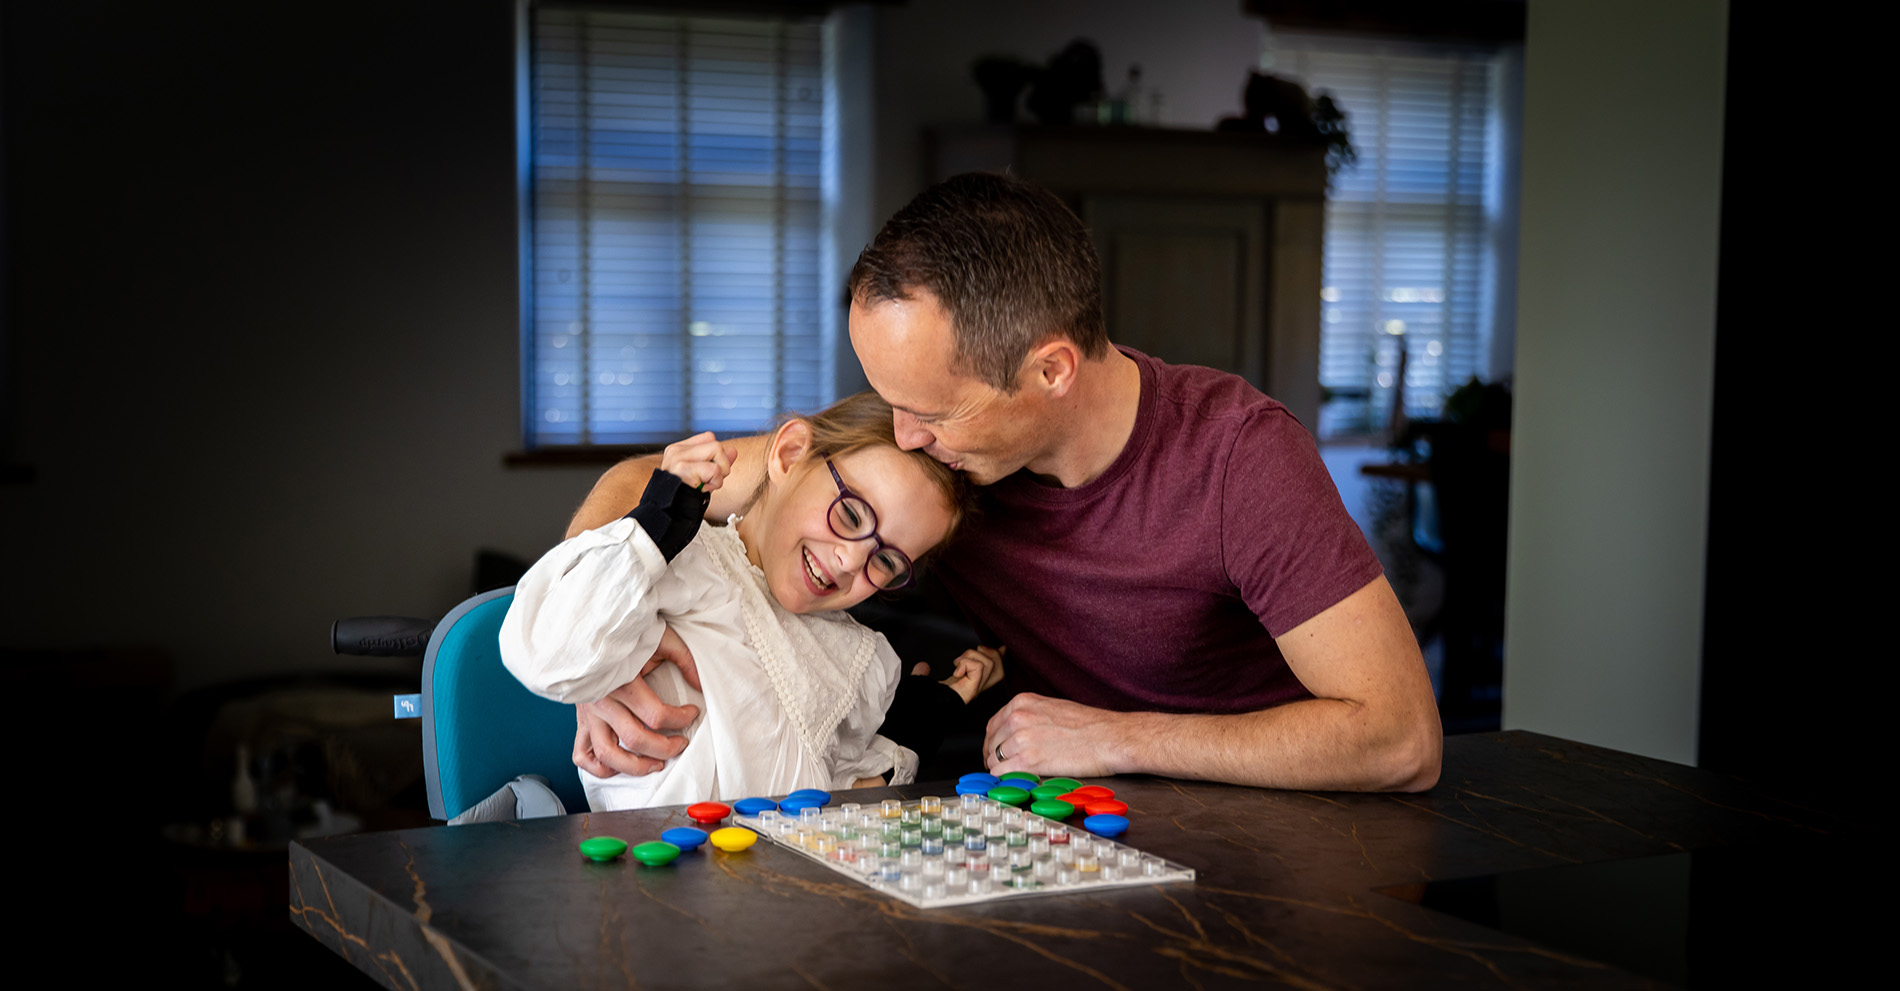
(408, 706)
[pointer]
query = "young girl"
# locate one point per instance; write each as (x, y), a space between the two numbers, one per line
(794, 689)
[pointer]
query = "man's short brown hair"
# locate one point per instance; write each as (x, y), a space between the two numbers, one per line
(1010, 263)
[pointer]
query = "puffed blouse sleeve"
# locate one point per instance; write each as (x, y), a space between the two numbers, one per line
(589, 614)
(857, 751)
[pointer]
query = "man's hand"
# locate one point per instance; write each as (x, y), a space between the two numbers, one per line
(976, 670)
(1047, 736)
(626, 732)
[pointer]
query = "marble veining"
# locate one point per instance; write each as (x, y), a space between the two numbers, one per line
(1287, 890)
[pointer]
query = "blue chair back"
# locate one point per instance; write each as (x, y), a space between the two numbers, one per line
(480, 728)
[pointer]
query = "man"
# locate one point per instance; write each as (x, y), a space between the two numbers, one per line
(1159, 547)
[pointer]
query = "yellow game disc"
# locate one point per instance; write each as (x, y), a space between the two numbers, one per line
(733, 839)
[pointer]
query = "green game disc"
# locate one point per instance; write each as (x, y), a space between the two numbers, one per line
(1050, 808)
(655, 853)
(1024, 775)
(603, 848)
(1047, 790)
(1068, 784)
(1009, 795)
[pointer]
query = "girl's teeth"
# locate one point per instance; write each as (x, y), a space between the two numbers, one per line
(812, 569)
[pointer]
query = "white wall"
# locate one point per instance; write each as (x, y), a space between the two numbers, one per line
(1621, 192)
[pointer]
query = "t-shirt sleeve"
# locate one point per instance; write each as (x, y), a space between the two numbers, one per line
(1287, 541)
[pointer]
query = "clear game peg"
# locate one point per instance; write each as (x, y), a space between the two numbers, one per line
(1088, 866)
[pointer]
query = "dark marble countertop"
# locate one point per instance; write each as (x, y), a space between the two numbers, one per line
(1288, 890)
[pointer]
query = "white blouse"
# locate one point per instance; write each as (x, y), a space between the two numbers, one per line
(789, 701)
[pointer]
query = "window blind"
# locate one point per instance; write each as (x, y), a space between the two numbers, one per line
(676, 215)
(1407, 270)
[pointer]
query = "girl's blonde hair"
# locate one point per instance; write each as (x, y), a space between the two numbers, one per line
(864, 420)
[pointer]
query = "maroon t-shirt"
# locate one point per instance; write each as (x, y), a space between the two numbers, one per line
(1160, 585)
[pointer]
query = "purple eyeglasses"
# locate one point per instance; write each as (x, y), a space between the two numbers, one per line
(852, 518)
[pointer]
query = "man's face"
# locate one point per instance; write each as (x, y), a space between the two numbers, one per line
(907, 348)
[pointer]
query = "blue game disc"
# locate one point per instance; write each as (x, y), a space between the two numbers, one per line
(1106, 825)
(753, 806)
(797, 805)
(685, 837)
(973, 788)
(989, 780)
(823, 798)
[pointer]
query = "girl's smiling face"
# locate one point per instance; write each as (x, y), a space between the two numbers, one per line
(807, 566)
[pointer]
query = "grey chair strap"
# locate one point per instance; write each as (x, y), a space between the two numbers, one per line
(526, 797)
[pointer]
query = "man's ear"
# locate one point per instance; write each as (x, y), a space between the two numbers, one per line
(1052, 366)
(789, 447)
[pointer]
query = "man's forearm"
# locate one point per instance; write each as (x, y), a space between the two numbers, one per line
(618, 490)
(614, 495)
(1371, 725)
(1322, 744)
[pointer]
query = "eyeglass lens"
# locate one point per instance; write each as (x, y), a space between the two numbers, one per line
(853, 519)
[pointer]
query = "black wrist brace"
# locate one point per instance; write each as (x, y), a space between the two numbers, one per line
(670, 511)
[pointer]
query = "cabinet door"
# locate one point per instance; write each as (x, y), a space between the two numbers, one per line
(1184, 279)
(1227, 282)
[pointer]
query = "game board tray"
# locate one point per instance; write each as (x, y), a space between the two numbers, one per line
(1019, 865)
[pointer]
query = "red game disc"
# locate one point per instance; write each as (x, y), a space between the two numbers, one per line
(708, 812)
(1095, 791)
(1106, 807)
